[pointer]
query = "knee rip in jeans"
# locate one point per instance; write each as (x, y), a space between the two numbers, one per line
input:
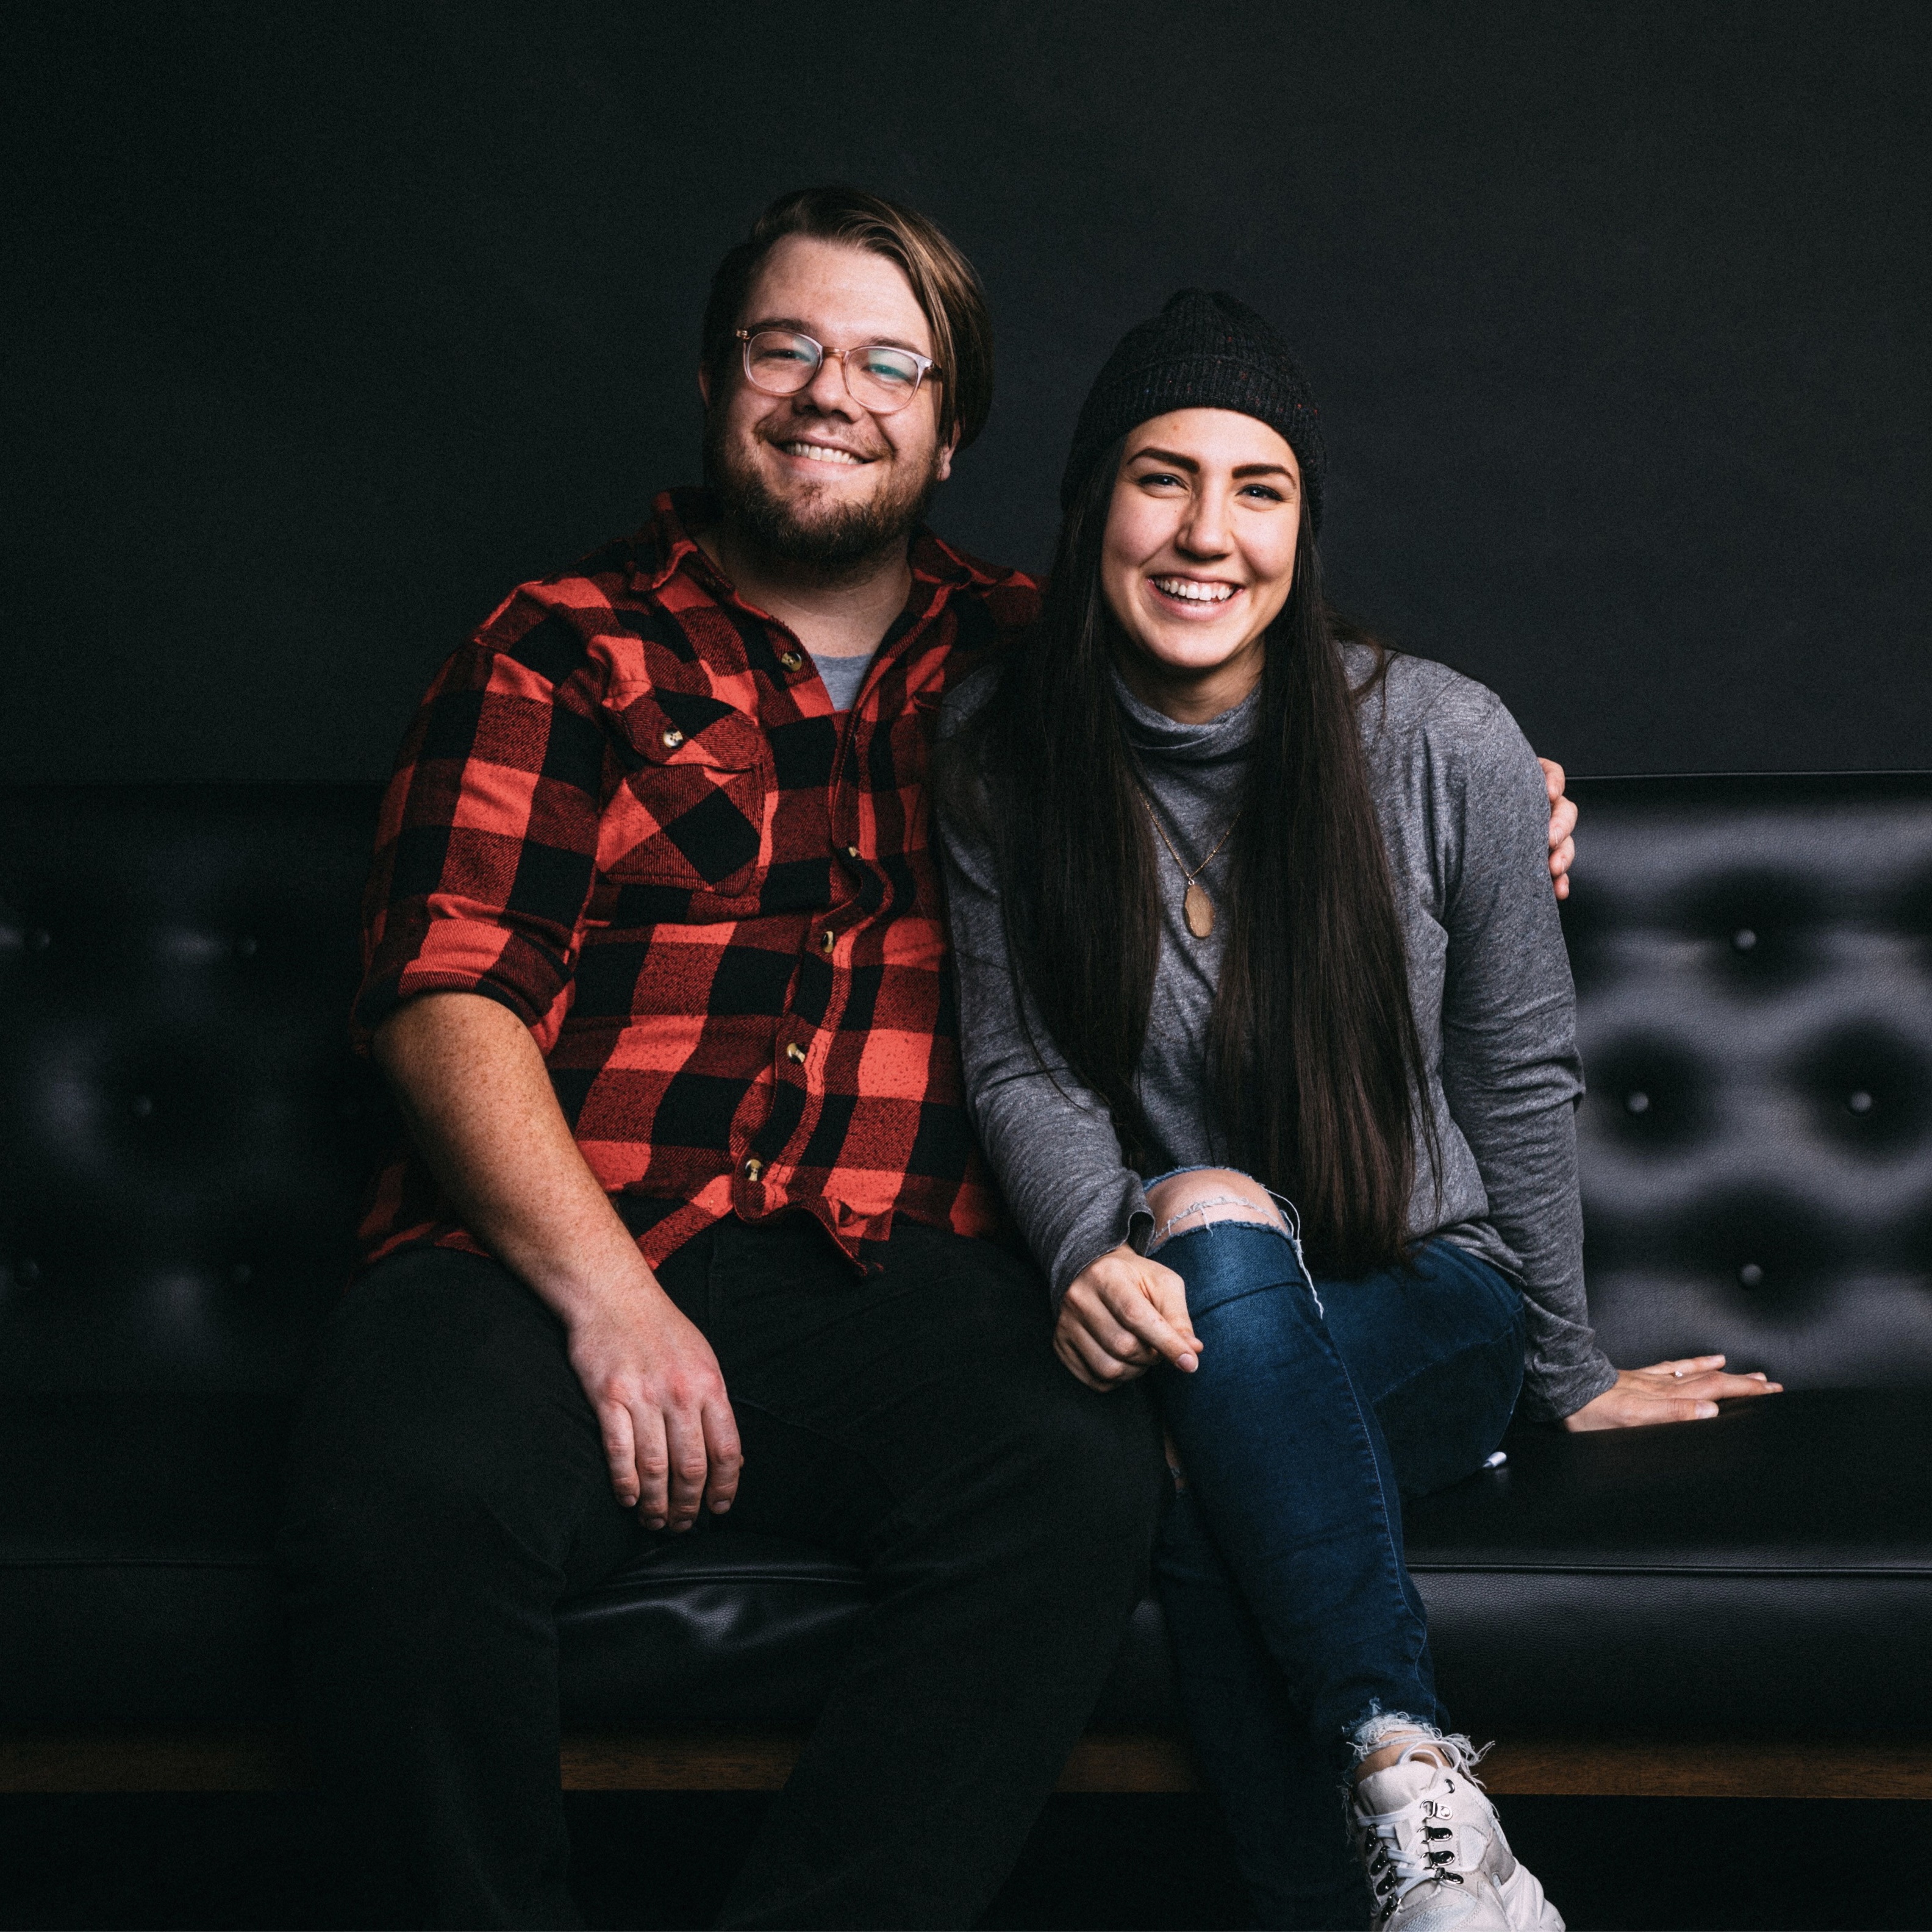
(1219, 1198)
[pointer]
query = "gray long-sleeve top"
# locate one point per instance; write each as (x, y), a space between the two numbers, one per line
(1464, 816)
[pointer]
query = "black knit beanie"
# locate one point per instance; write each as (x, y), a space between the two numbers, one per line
(1204, 351)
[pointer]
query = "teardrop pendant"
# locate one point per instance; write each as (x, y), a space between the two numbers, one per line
(1198, 911)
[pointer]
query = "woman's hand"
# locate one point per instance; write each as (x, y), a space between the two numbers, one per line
(1685, 1391)
(1122, 1314)
(1562, 823)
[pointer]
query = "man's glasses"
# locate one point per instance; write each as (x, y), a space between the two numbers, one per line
(781, 361)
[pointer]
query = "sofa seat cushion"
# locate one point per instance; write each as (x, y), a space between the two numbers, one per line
(724, 1627)
(1768, 1572)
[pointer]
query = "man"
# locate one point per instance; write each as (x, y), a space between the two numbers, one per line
(656, 963)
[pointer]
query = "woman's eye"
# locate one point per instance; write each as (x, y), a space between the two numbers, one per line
(1264, 491)
(1161, 476)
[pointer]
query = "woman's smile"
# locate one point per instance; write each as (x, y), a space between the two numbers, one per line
(1195, 598)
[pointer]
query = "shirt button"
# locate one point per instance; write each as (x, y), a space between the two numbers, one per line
(795, 1053)
(754, 1167)
(791, 660)
(851, 851)
(672, 739)
(831, 941)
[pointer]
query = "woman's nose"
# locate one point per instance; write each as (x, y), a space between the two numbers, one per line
(1205, 532)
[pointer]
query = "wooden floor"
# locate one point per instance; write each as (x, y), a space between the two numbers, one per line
(264, 1760)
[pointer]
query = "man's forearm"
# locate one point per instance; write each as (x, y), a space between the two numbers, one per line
(479, 1102)
(481, 1105)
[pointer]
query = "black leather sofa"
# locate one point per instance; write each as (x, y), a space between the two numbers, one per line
(1743, 1605)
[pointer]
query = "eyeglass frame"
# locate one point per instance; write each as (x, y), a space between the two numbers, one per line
(928, 366)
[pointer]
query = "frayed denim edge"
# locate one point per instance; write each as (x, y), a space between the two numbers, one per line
(1164, 1233)
(1380, 1727)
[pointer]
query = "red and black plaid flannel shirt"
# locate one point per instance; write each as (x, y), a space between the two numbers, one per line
(627, 811)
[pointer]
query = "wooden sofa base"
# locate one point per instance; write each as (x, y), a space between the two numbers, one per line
(264, 1760)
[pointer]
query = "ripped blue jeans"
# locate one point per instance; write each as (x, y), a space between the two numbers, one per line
(1293, 1620)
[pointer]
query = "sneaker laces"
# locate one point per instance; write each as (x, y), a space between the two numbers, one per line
(1396, 1869)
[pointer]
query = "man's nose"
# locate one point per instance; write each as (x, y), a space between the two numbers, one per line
(826, 392)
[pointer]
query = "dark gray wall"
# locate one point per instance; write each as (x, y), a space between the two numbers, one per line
(325, 326)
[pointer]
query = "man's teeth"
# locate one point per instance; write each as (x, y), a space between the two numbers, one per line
(1186, 587)
(818, 452)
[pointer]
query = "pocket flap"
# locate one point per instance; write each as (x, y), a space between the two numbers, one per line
(673, 727)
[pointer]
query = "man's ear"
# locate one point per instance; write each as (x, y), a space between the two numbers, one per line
(946, 450)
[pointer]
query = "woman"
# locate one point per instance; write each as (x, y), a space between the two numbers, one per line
(1248, 910)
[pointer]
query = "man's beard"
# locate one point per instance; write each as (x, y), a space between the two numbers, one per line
(833, 544)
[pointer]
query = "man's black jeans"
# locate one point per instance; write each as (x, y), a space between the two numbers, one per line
(449, 1487)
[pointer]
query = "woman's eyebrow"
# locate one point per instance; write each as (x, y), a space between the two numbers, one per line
(1189, 463)
(1172, 456)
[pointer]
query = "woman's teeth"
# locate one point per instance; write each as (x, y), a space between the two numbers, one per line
(818, 452)
(1191, 593)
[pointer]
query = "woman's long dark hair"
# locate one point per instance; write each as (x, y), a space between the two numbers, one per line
(1313, 1047)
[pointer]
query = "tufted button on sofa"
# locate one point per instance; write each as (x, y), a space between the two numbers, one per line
(183, 1136)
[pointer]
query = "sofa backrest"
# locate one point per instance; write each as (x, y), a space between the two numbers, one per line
(184, 1134)
(1753, 964)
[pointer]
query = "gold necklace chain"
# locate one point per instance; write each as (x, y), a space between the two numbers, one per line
(1196, 907)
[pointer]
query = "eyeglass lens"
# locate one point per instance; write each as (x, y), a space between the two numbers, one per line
(781, 363)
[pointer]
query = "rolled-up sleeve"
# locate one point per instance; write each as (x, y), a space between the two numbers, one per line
(486, 850)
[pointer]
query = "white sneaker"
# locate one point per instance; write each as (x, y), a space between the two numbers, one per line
(1435, 1854)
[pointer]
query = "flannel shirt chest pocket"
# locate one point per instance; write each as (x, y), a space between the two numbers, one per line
(693, 810)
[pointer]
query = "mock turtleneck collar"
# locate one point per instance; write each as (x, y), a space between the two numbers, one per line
(1152, 731)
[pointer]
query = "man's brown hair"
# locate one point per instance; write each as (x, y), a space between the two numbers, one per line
(943, 280)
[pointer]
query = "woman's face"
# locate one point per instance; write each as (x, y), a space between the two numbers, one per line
(1198, 556)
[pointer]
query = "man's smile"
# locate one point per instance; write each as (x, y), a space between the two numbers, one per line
(830, 453)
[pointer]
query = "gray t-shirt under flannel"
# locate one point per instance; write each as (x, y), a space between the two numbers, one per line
(1464, 816)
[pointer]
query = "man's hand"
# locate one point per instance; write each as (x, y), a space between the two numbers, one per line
(478, 1098)
(1122, 1314)
(1683, 1391)
(1562, 823)
(668, 1432)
